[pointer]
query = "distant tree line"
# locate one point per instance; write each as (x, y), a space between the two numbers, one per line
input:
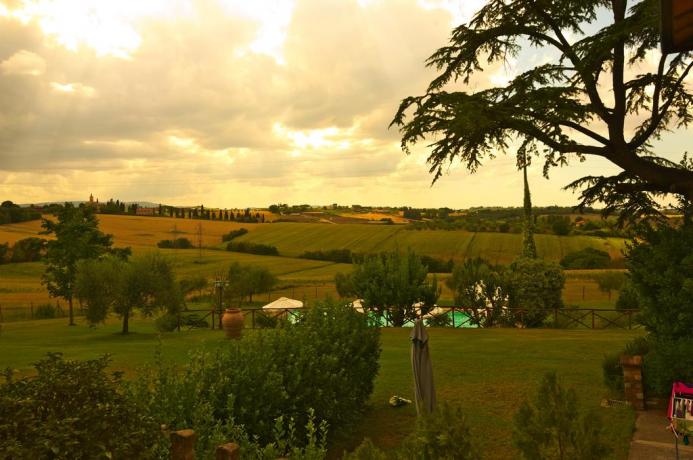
(26, 250)
(252, 248)
(178, 243)
(233, 234)
(11, 213)
(283, 208)
(510, 220)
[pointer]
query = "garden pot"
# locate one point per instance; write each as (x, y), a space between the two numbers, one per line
(232, 321)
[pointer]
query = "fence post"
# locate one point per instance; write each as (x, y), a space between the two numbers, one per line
(183, 445)
(593, 318)
(230, 451)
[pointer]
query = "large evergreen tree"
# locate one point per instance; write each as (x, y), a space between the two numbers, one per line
(578, 104)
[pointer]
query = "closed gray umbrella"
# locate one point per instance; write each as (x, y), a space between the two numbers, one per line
(424, 391)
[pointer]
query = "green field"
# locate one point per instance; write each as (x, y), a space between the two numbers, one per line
(293, 239)
(488, 372)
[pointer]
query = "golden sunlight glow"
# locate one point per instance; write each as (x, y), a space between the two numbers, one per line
(313, 138)
(107, 27)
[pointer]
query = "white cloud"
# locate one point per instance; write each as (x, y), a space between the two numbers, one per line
(23, 62)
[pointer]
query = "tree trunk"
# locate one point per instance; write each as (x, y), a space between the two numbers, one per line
(72, 317)
(126, 317)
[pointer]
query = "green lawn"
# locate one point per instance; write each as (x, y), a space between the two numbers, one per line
(487, 371)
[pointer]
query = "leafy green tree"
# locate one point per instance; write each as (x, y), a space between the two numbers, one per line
(535, 286)
(4, 251)
(581, 103)
(551, 426)
(478, 284)
(28, 250)
(661, 271)
(146, 283)
(586, 258)
(391, 283)
(77, 237)
(560, 225)
(248, 280)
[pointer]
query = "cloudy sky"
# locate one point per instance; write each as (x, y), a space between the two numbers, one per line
(235, 103)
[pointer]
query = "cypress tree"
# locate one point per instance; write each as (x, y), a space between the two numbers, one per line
(529, 249)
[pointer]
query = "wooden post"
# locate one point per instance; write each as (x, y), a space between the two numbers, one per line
(593, 318)
(632, 380)
(183, 445)
(230, 451)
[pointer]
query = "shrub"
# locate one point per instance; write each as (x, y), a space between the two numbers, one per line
(588, 258)
(327, 362)
(628, 297)
(612, 372)
(551, 426)
(334, 255)
(443, 434)
(45, 311)
(233, 234)
(266, 320)
(166, 323)
(611, 365)
(252, 248)
(178, 243)
(72, 410)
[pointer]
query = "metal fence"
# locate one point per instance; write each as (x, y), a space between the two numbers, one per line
(453, 317)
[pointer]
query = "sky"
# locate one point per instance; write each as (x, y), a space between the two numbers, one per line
(235, 103)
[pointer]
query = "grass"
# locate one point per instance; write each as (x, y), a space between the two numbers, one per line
(488, 372)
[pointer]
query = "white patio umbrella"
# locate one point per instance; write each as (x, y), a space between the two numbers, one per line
(424, 391)
(358, 305)
(283, 303)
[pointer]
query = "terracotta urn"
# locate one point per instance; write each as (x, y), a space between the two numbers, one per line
(232, 322)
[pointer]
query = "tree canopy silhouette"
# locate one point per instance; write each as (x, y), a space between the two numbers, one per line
(582, 103)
